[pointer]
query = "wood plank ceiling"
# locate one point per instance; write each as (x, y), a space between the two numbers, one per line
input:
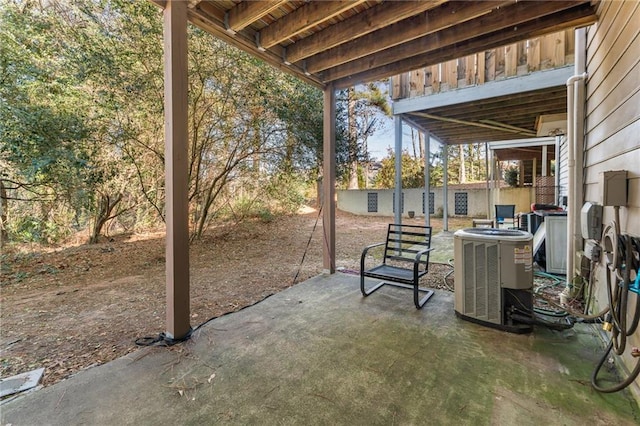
(345, 43)
(351, 42)
(494, 119)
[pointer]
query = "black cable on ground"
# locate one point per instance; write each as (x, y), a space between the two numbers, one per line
(163, 340)
(308, 244)
(536, 320)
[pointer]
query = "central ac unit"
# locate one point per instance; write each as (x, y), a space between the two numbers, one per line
(494, 277)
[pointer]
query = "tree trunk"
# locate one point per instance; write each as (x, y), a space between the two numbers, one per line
(104, 214)
(472, 162)
(353, 140)
(353, 175)
(413, 142)
(463, 171)
(4, 205)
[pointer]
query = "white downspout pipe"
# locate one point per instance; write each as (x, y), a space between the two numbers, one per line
(575, 140)
(572, 116)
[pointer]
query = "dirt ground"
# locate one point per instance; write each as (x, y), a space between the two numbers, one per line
(83, 305)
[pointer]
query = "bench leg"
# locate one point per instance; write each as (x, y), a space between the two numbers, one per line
(366, 292)
(416, 296)
(417, 301)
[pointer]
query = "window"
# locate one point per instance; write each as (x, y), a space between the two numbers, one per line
(460, 199)
(372, 202)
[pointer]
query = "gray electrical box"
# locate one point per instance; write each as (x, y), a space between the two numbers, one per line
(614, 188)
(591, 221)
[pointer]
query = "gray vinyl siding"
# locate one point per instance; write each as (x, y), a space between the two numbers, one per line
(562, 167)
(613, 105)
(612, 122)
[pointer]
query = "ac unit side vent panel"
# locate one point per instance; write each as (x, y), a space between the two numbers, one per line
(493, 284)
(481, 281)
(469, 279)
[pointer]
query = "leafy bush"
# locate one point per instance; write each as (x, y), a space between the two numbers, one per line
(511, 176)
(287, 191)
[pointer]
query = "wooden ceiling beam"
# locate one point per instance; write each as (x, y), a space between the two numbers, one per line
(447, 15)
(507, 112)
(302, 19)
(358, 25)
(463, 135)
(535, 105)
(516, 116)
(209, 23)
(507, 17)
(247, 12)
(209, 11)
(524, 132)
(504, 125)
(578, 16)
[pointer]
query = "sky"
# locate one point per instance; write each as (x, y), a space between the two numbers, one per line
(383, 138)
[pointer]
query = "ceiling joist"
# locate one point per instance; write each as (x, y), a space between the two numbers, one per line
(370, 20)
(344, 43)
(355, 41)
(247, 12)
(574, 17)
(393, 36)
(508, 129)
(303, 19)
(486, 24)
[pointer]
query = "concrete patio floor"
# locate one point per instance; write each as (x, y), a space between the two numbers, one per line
(319, 353)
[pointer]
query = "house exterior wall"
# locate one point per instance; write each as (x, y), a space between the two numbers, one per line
(612, 124)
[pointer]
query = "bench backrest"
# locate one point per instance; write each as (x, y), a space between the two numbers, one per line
(405, 241)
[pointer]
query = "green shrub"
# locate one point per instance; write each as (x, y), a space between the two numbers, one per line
(511, 176)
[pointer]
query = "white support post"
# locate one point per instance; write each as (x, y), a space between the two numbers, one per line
(328, 181)
(556, 193)
(427, 181)
(445, 188)
(176, 169)
(488, 178)
(397, 120)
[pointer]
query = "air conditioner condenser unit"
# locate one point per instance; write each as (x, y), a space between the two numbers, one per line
(494, 277)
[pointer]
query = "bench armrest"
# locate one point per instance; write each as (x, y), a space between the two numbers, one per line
(364, 254)
(416, 262)
(422, 253)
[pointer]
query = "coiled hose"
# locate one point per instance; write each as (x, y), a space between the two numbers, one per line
(614, 245)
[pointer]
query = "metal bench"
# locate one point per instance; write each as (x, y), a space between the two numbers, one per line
(405, 260)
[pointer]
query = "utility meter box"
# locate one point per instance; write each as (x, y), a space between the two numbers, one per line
(591, 221)
(614, 188)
